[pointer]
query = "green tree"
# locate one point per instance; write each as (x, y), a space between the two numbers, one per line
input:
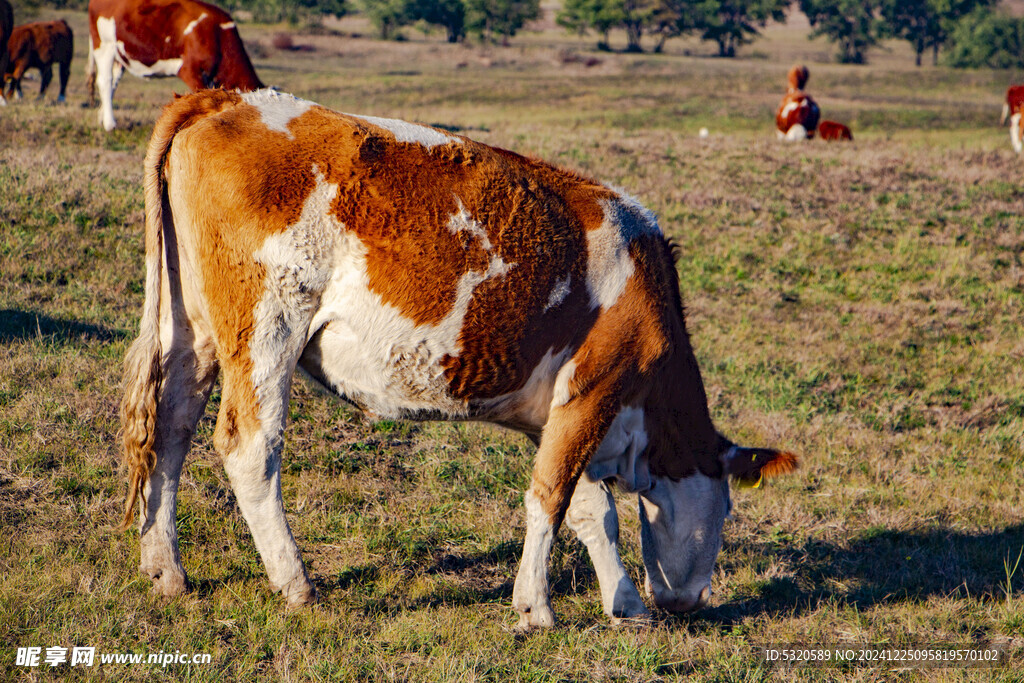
(925, 24)
(985, 38)
(732, 23)
(601, 16)
(493, 18)
(671, 18)
(449, 14)
(851, 24)
(388, 16)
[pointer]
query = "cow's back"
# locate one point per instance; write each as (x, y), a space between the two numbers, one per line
(456, 267)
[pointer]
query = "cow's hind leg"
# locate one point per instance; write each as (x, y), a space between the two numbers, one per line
(250, 437)
(45, 76)
(571, 435)
(189, 369)
(593, 517)
(65, 73)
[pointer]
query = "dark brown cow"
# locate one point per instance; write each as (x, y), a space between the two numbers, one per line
(193, 40)
(797, 117)
(6, 26)
(833, 130)
(39, 45)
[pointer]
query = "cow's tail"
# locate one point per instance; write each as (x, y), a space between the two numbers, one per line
(143, 369)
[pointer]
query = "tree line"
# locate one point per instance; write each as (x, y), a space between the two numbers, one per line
(969, 33)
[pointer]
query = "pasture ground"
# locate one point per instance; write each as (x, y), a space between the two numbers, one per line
(860, 304)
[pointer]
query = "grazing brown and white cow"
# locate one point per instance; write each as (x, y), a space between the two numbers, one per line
(797, 116)
(6, 26)
(833, 130)
(39, 45)
(193, 40)
(1012, 109)
(419, 275)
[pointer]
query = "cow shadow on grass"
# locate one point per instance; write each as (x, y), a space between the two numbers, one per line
(18, 325)
(877, 567)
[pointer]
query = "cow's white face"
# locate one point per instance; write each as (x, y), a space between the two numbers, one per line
(681, 534)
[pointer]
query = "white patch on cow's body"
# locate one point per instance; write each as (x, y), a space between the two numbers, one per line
(561, 394)
(796, 133)
(461, 221)
(277, 109)
(372, 353)
(623, 452)
(158, 69)
(609, 264)
(298, 265)
(410, 132)
(167, 39)
(1015, 136)
(789, 108)
(558, 293)
(192, 24)
(227, 26)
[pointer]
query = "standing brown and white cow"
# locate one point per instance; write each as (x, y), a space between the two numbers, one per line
(6, 26)
(420, 275)
(39, 45)
(1012, 109)
(798, 114)
(193, 40)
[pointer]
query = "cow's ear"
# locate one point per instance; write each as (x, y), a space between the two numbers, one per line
(748, 466)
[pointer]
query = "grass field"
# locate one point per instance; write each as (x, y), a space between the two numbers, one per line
(860, 304)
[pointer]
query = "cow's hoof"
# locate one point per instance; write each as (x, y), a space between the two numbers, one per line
(299, 593)
(169, 583)
(531, 618)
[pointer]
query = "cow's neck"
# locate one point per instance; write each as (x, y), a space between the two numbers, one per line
(682, 437)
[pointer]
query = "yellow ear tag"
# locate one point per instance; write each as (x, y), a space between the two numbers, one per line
(742, 484)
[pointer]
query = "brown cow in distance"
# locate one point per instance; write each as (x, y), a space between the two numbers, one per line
(797, 117)
(1013, 108)
(193, 40)
(833, 130)
(39, 45)
(6, 26)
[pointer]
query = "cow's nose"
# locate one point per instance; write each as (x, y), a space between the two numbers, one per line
(676, 604)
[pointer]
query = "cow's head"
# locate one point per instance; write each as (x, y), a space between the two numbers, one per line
(681, 525)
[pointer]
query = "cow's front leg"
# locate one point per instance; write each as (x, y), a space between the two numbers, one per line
(593, 517)
(571, 435)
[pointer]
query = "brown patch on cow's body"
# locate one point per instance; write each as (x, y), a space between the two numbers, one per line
(833, 130)
(1015, 99)
(154, 30)
(39, 45)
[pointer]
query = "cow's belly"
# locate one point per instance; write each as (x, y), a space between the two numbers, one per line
(369, 353)
(159, 69)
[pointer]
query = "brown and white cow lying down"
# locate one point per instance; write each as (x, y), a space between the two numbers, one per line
(798, 114)
(193, 40)
(419, 275)
(833, 130)
(39, 45)
(1012, 108)
(6, 26)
